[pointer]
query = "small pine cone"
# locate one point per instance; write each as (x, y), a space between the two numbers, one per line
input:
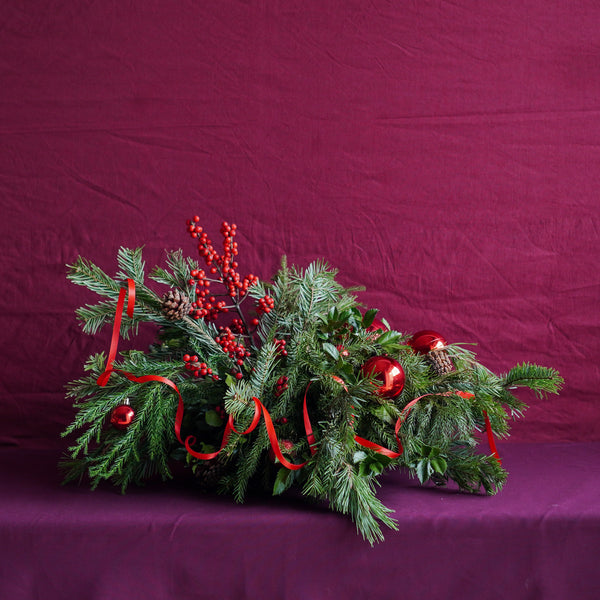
(175, 305)
(209, 472)
(440, 361)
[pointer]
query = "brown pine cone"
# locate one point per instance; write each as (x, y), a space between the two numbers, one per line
(440, 361)
(175, 305)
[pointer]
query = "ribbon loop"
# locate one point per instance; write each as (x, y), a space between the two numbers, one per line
(259, 407)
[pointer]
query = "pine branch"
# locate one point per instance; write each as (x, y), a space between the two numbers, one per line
(180, 272)
(542, 380)
(131, 264)
(95, 316)
(87, 274)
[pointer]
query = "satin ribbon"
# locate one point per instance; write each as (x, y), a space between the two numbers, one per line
(114, 342)
(490, 437)
(259, 407)
(404, 415)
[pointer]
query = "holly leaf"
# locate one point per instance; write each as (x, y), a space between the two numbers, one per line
(424, 470)
(388, 337)
(331, 350)
(376, 467)
(438, 464)
(369, 317)
(281, 481)
(359, 456)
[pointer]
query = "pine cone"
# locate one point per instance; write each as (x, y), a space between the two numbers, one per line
(175, 305)
(209, 472)
(440, 361)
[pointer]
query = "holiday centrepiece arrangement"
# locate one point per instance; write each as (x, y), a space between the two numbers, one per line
(289, 383)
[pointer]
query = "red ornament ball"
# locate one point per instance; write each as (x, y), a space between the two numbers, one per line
(122, 416)
(425, 341)
(376, 328)
(389, 372)
(377, 325)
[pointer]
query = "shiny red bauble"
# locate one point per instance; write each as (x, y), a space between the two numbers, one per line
(376, 328)
(425, 341)
(122, 416)
(377, 325)
(389, 372)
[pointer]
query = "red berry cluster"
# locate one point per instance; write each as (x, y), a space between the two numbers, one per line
(205, 306)
(281, 386)
(265, 305)
(280, 344)
(224, 264)
(237, 326)
(198, 369)
(229, 344)
(221, 412)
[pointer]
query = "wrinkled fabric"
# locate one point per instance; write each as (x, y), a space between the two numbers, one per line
(538, 538)
(443, 155)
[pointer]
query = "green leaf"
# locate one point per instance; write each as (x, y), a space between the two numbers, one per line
(213, 419)
(424, 470)
(331, 350)
(351, 320)
(369, 317)
(281, 481)
(376, 467)
(346, 371)
(388, 337)
(439, 464)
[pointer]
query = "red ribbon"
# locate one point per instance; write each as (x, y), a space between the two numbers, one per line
(114, 342)
(490, 437)
(259, 407)
(191, 440)
(404, 415)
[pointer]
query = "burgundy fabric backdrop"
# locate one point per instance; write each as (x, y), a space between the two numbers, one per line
(444, 155)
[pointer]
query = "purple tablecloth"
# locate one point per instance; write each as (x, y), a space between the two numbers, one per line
(445, 155)
(538, 538)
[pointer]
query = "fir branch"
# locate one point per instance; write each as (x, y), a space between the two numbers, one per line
(131, 264)
(542, 380)
(180, 272)
(95, 316)
(87, 274)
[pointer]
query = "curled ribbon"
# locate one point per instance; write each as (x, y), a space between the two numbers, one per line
(191, 440)
(259, 407)
(404, 415)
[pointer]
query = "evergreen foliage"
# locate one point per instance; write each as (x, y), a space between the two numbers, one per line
(328, 337)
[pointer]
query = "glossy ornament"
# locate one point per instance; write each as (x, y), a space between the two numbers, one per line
(376, 328)
(389, 372)
(122, 416)
(425, 341)
(377, 325)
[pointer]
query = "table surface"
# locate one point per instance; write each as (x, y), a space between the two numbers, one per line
(537, 538)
